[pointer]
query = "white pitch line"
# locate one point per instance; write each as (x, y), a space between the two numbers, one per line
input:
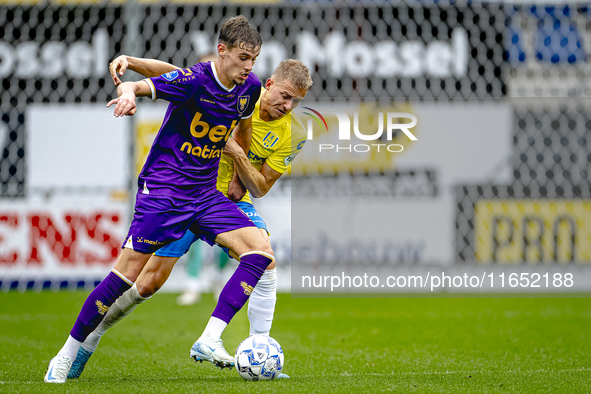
(477, 372)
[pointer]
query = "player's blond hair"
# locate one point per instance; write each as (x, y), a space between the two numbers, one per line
(295, 72)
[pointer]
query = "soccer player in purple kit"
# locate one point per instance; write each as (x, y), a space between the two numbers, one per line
(277, 138)
(177, 186)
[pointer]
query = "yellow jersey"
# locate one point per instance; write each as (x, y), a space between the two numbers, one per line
(276, 143)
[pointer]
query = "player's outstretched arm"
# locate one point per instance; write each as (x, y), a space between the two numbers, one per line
(127, 92)
(146, 67)
(257, 182)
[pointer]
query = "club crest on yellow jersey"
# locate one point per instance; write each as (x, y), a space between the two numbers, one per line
(270, 140)
(243, 103)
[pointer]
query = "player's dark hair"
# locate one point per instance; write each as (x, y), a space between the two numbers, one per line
(237, 31)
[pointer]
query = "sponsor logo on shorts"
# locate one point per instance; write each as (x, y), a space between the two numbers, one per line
(148, 241)
(102, 308)
(250, 214)
(247, 288)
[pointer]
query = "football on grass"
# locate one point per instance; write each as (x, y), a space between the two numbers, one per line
(259, 357)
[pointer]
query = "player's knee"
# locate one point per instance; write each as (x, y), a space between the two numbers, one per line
(149, 290)
(268, 251)
(145, 289)
(271, 265)
(265, 248)
(149, 284)
(259, 246)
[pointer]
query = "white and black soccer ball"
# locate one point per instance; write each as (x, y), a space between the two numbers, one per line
(259, 357)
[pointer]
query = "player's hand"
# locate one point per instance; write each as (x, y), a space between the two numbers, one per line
(236, 189)
(117, 68)
(232, 148)
(125, 105)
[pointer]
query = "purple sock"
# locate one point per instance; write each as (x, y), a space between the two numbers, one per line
(97, 304)
(241, 284)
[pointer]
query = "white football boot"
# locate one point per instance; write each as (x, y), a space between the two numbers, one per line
(188, 298)
(212, 350)
(57, 371)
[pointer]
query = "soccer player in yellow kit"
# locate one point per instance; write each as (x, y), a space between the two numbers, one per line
(277, 137)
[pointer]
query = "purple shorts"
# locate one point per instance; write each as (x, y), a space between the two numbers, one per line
(160, 219)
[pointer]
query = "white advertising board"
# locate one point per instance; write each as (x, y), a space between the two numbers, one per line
(76, 146)
(405, 220)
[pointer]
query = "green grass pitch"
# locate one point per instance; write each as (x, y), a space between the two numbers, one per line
(331, 345)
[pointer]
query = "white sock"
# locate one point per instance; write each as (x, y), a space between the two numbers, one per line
(261, 305)
(214, 329)
(70, 348)
(122, 307)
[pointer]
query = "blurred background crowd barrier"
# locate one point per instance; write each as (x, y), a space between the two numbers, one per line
(499, 176)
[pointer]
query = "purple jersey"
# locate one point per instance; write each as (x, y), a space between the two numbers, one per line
(202, 113)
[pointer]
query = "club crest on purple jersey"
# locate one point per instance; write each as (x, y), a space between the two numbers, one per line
(171, 75)
(243, 103)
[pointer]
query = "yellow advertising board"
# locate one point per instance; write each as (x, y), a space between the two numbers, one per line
(145, 133)
(533, 231)
(327, 153)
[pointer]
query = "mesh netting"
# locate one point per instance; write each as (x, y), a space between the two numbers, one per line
(547, 51)
(550, 168)
(50, 55)
(392, 51)
(60, 54)
(356, 51)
